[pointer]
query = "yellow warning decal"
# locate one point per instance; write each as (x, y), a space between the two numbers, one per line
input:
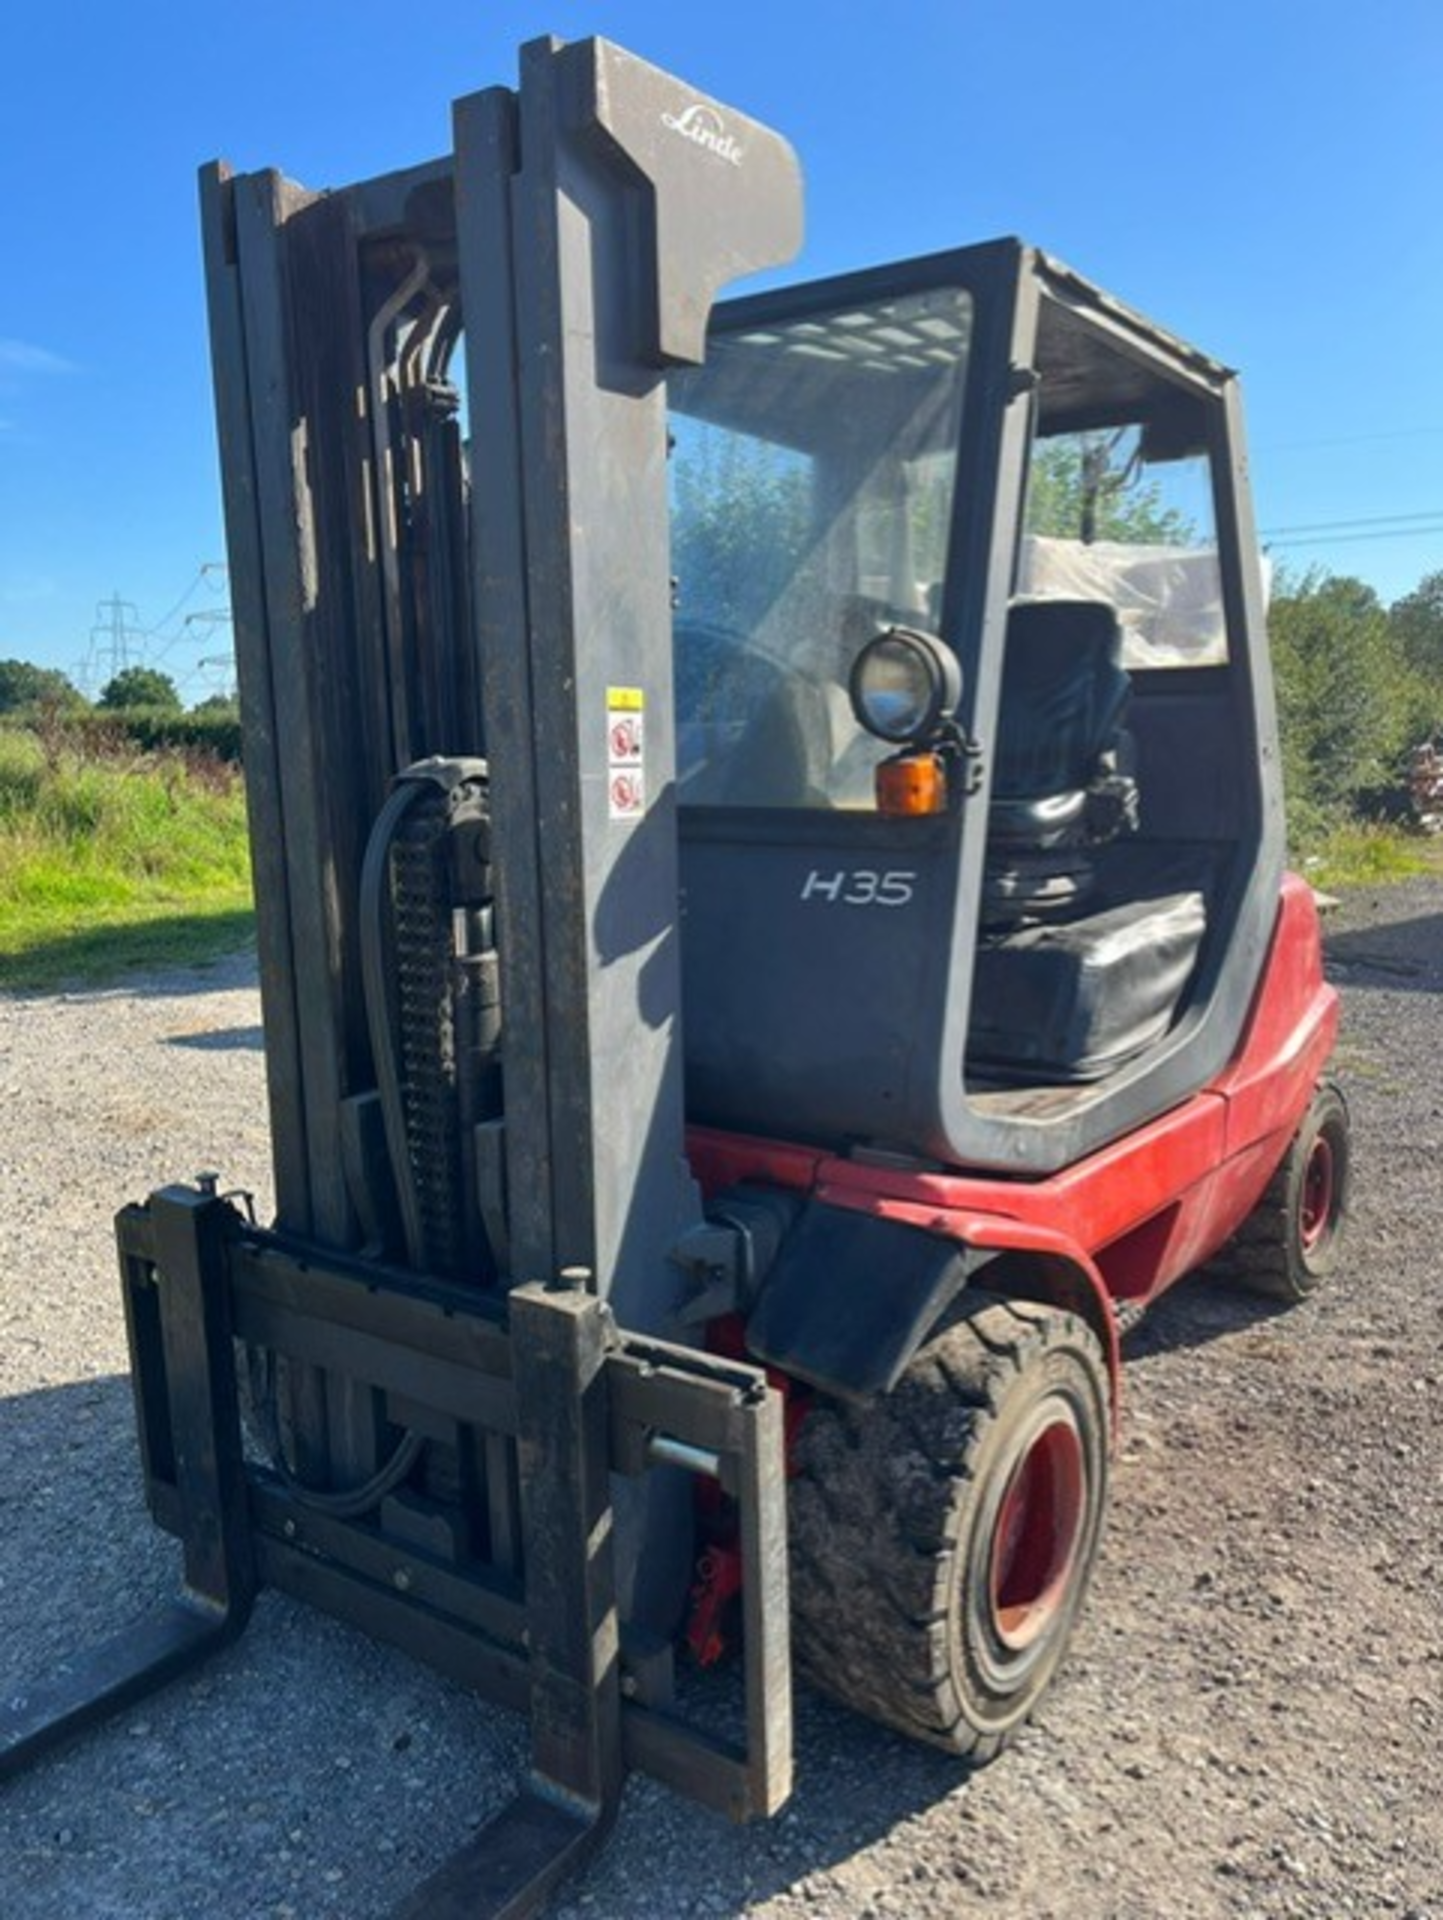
(625, 699)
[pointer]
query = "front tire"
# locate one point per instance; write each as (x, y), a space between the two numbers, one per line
(943, 1537)
(1292, 1240)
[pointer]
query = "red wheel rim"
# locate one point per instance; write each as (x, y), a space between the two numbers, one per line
(1315, 1201)
(1039, 1524)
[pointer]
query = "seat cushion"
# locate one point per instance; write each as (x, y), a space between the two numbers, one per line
(1074, 1002)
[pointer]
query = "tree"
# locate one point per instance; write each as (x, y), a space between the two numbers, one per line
(1093, 486)
(741, 522)
(225, 705)
(140, 687)
(1417, 621)
(24, 685)
(1344, 695)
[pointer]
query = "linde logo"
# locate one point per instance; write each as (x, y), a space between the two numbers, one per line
(704, 127)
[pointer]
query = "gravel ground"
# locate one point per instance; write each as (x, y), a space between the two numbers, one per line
(1250, 1723)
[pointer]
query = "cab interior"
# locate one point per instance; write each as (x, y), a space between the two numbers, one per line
(837, 472)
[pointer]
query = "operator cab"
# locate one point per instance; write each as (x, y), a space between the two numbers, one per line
(975, 749)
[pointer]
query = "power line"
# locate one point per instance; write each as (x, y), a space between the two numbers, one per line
(205, 572)
(1354, 521)
(1348, 539)
(118, 641)
(154, 633)
(1426, 525)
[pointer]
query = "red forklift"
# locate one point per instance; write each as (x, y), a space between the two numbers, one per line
(774, 948)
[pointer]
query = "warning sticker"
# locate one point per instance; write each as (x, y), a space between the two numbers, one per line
(627, 795)
(626, 752)
(624, 741)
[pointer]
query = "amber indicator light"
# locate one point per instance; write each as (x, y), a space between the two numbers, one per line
(912, 783)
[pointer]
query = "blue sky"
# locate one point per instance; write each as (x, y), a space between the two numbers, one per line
(1263, 176)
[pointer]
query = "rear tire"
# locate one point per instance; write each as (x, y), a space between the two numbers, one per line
(943, 1537)
(1292, 1239)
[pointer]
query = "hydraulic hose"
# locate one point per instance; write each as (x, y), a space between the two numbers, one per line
(377, 980)
(348, 1503)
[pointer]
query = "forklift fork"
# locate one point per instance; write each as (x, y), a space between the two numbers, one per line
(572, 1404)
(219, 1582)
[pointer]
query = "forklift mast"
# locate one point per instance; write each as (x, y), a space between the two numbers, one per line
(552, 271)
(582, 230)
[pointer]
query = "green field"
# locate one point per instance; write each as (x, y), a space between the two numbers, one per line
(112, 858)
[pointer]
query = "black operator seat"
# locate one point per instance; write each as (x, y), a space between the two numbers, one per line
(1068, 986)
(1058, 785)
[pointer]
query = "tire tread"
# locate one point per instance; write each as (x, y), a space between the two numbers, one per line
(875, 1521)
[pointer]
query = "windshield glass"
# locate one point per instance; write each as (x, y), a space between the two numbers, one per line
(811, 494)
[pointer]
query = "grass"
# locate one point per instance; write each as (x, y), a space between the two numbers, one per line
(112, 859)
(1357, 855)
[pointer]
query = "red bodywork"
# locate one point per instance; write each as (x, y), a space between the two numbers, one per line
(1126, 1222)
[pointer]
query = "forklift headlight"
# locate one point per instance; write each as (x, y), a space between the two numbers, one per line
(903, 684)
